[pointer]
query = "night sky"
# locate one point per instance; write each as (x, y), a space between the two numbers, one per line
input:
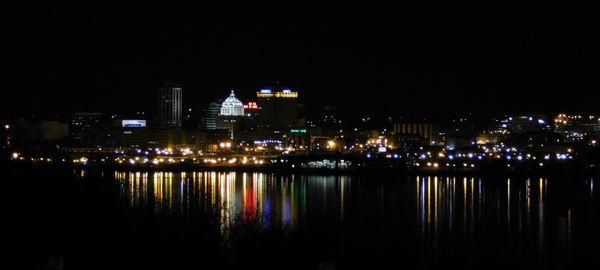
(496, 57)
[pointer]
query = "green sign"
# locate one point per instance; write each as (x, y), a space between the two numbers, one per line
(298, 131)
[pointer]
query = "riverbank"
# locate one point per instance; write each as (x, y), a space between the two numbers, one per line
(282, 169)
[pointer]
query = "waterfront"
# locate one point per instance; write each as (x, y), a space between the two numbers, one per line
(101, 218)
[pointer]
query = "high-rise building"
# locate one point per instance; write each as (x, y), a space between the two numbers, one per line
(278, 108)
(209, 120)
(231, 114)
(170, 105)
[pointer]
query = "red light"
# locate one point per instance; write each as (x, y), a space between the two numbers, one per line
(251, 106)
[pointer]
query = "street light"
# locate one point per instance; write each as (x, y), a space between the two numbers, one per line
(330, 144)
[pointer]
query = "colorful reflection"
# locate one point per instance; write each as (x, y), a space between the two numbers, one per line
(249, 199)
(525, 217)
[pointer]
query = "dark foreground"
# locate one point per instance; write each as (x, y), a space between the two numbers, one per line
(95, 219)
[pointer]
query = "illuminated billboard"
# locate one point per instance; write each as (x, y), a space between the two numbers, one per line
(134, 123)
(250, 106)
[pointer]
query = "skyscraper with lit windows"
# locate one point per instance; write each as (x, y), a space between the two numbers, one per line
(170, 104)
(278, 108)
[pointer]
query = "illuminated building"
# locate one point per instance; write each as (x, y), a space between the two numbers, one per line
(297, 139)
(278, 109)
(232, 106)
(133, 123)
(576, 127)
(232, 112)
(170, 105)
(209, 121)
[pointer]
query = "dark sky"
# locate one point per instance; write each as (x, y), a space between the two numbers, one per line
(533, 56)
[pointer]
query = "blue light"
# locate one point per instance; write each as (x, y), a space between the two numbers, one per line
(265, 91)
(541, 121)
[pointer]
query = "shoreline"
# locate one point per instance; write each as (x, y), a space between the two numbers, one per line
(278, 169)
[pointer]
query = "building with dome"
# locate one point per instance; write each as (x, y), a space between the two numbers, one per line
(231, 116)
(232, 106)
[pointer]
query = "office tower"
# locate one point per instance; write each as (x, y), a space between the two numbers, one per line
(210, 115)
(278, 108)
(170, 105)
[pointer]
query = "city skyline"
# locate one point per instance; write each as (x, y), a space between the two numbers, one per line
(417, 135)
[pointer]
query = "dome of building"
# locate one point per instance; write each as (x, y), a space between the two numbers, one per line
(232, 106)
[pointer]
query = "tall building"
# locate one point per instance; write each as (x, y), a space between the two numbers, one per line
(170, 105)
(231, 114)
(278, 108)
(209, 120)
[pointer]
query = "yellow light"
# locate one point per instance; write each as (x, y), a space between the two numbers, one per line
(331, 143)
(15, 155)
(7, 126)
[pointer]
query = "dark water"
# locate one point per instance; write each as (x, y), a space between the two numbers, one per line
(105, 219)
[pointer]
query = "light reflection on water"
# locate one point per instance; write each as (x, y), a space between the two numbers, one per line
(249, 198)
(533, 216)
